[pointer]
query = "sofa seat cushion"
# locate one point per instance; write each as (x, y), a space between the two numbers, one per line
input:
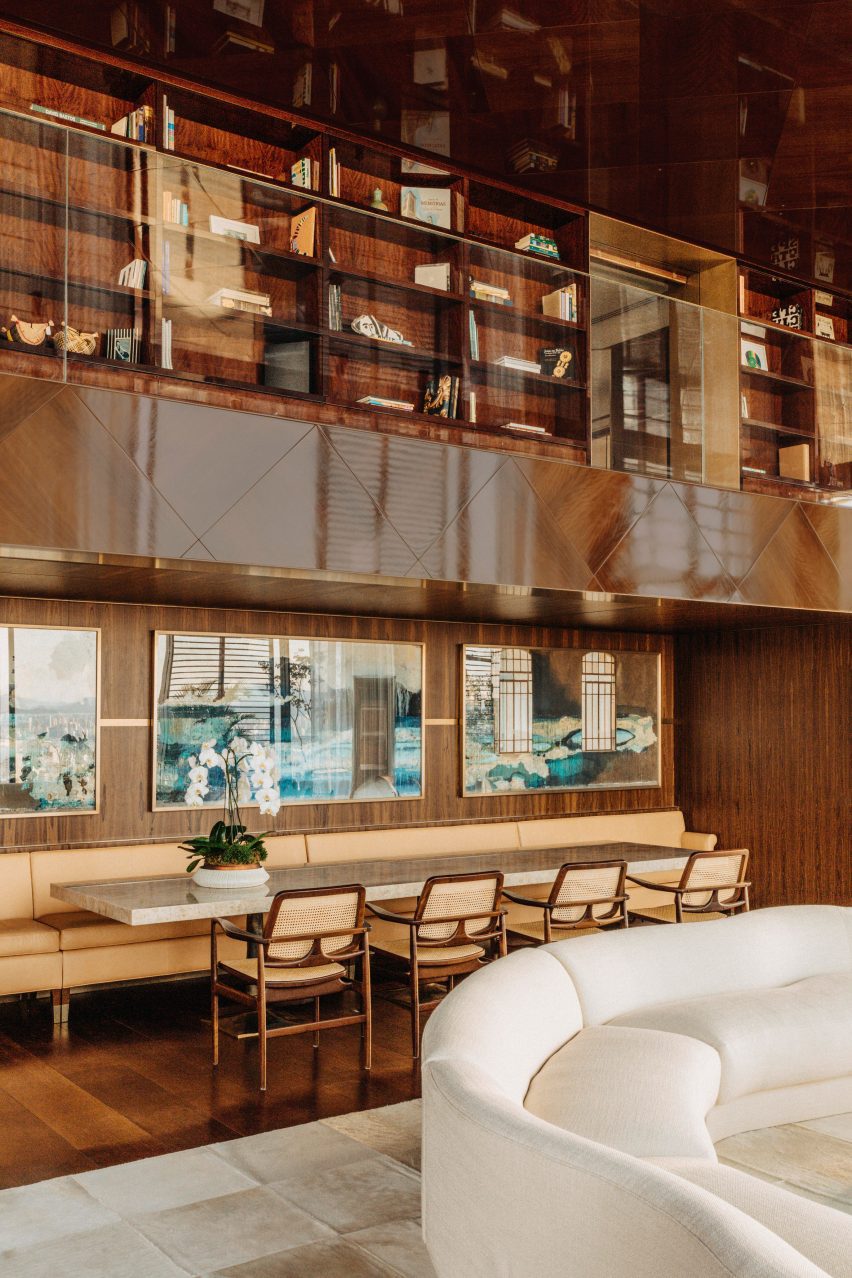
(25, 936)
(641, 1091)
(770, 1038)
(821, 1233)
(83, 930)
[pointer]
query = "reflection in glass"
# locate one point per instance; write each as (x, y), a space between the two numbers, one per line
(578, 720)
(343, 717)
(48, 720)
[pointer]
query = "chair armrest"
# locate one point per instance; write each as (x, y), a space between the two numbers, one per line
(693, 841)
(655, 887)
(537, 902)
(389, 915)
(240, 933)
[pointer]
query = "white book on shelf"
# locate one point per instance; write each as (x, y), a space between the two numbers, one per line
(433, 275)
(235, 230)
(222, 296)
(521, 365)
(527, 426)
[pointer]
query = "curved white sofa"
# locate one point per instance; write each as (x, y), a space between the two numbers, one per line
(572, 1093)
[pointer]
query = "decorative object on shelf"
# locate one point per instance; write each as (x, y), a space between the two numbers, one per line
(427, 204)
(303, 227)
(376, 401)
(74, 341)
(441, 397)
(824, 263)
(28, 334)
(784, 253)
(557, 361)
(123, 344)
(376, 201)
(561, 303)
(433, 275)
(539, 245)
(789, 314)
(824, 326)
(528, 156)
(369, 326)
(226, 226)
(754, 182)
(794, 462)
(753, 355)
(229, 856)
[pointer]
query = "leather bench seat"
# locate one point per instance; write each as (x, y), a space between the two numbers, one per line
(82, 930)
(25, 936)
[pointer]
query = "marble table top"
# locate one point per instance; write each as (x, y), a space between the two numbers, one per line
(174, 899)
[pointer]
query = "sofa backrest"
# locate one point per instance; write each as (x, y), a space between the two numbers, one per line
(661, 828)
(627, 971)
(16, 890)
(422, 840)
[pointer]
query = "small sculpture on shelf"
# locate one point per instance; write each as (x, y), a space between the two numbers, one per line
(377, 202)
(369, 326)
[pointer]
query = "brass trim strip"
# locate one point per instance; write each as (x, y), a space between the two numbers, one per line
(125, 723)
(440, 723)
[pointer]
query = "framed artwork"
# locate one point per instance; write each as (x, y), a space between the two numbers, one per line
(49, 693)
(753, 355)
(559, 719)
(343, 718)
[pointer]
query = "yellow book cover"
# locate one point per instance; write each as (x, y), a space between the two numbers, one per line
(303, 228)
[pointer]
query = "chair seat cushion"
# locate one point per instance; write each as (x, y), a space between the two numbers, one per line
(83, 930)
(767, 1038)
(388, 942)
(641, 1091)
(821, 1233)
(26, 936)
(246, 969)
(535, 931)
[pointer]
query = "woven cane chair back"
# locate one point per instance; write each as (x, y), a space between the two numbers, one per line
(454, 896)
(313, 914)
(708, 870)
(579, 885)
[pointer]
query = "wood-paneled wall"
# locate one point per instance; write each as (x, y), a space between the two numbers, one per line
(764, 755)
(126, 694)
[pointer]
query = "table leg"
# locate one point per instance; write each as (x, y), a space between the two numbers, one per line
(254, 923)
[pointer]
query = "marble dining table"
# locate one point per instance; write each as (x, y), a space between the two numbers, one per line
(175, 898)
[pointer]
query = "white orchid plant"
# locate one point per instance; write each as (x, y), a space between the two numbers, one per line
(251, 775)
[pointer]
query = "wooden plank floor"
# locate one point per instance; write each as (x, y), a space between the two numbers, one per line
(130, 1077)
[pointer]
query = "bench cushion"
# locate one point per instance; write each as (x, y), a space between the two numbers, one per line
(438, 840)
(25, 936)
(662, 828)
(768, 1038)
(16, 889)
(82, 930)
(641, 1091)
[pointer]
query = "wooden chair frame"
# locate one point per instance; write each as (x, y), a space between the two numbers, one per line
(495, 932)
(683, 888)
(616, 917)
(238, 988)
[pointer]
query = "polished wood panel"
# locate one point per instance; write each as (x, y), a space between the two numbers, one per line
(127, 647)
(764, 754)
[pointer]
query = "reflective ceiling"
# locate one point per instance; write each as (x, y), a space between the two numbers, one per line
(724, 121)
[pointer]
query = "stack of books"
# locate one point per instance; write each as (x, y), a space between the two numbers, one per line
(527, 426)
(138, 125)
(238, 299)
(532, 157)
(335, 310)
(521, 365)
(541, 245)
(333, 172)
(376, 401)
(166, 343)
(123, 344)
(561, 303)
(481, 292)
(175, 210)
(133, 274)
(305, 173)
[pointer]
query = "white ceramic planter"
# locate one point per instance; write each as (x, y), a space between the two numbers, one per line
(230, 877)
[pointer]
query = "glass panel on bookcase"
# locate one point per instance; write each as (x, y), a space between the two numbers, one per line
(399, 187)
(33, 200)
(393, 378)
(777, 300)
(217, 133)
(110, 285)
(513, 221)
(647, 381)
(774, 460)
(833, 395)
(527, 404)
(367, 247)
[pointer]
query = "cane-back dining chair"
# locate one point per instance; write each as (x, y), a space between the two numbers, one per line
(712, 883)
(314, 943)
(585, 897)
(457, 926)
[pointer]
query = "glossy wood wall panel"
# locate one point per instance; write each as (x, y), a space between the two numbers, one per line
(97, 471)
(127, 650)
(764, 754)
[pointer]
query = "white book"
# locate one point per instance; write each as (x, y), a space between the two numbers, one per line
(534, 430)
(433, 275)
(235, 230)
(522, 365)
(224, 295)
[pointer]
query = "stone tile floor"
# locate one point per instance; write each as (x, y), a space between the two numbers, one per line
(338, 1198)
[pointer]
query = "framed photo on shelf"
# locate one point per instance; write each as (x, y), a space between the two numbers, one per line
(824, 326)
(753, 355)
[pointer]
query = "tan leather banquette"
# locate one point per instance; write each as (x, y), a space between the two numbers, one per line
(46, 944)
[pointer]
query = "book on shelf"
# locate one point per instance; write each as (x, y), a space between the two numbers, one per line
(175, 210)
(428, 130)
(441, 396)
(824, 326)
(303, 85)
(303, 228)
(305, 173)
(794, 462)
(166, 343)
(137, 125)
(507, 19)
(433, 275)
(428, 204)
(561, 303)
(333, 172)
(133, 274)
(376, 401)
(168, 126)
(557, 361)
(123, 344)
(248, 11)
(169, 28)
(487, 66)
(335, 311)
(333, 87)
(471, 407)
(56, 114)
(518, 364)
(541, 245)
(530, 427)
(128, 28)
(482, 292)
(429, 66)
(528, 156)
(226, 226)
(243, 39)
(474, 336)
(237, 299)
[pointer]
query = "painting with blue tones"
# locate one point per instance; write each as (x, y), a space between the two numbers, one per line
(559, 719)
(343, 717)
(48, 720)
